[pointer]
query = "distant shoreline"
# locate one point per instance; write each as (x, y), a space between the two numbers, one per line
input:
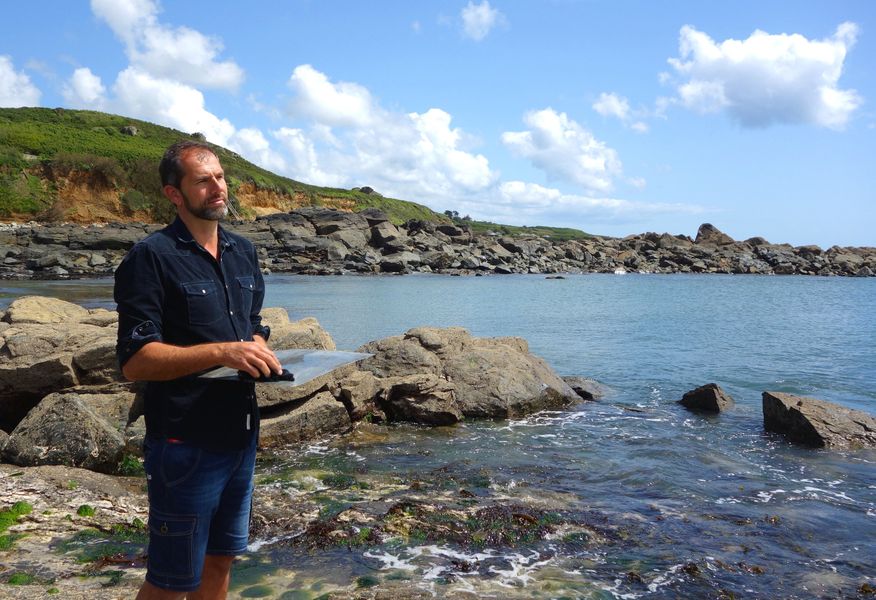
(320, 241)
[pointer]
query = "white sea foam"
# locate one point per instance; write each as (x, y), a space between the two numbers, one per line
(765, 497)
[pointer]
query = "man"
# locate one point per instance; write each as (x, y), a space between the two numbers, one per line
(189, 298)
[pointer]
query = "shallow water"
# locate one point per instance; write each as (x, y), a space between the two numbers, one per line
(689, 505)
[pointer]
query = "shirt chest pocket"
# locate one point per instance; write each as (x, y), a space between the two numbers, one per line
(203, 302)
(246, 285)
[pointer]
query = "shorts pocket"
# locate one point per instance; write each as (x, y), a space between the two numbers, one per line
(203, 302)
(171, 541)
(178, 463)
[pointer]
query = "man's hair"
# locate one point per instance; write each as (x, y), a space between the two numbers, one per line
(170, 168)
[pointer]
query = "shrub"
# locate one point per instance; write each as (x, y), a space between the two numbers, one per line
(136, 201)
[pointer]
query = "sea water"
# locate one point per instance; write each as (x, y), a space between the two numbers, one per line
(699, 505)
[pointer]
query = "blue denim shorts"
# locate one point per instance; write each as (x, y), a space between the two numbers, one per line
(199, 504)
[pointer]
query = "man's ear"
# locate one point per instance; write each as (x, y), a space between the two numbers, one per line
(173, 194)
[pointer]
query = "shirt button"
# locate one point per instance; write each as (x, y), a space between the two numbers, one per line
(230, 312)
(242, 340)
(203, 291)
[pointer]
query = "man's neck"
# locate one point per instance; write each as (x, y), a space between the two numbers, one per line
(205, 232)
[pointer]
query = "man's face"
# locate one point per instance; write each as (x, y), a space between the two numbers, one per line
(203, 188)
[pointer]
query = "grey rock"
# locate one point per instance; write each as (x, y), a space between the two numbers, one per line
(22, 387)
(64, 430)
(492, 377)
(588, 389)
(358, 391)
(351, 238)
(384, 233)
(709, 234)
(817, 423)
(40, 309)
(707, 398)
(306, 333)
(422, 398)
(317, 416)
(374, 216)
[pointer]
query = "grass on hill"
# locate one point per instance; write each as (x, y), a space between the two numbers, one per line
(37, 144)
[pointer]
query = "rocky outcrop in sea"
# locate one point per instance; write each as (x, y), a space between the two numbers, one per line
(63, 400)
(322, 241)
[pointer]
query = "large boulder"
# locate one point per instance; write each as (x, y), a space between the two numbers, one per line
(358, 390)
(326, 220)
(707, 398)
(40, 309)
(817, 423)
(491, 377)
(285, 334)
(709, 234)
(23, 386)
(64, 430)
(47, 345)
(424, 398)
(317, 416)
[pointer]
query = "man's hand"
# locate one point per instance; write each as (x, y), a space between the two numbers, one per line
(253, 357)
(158, 361)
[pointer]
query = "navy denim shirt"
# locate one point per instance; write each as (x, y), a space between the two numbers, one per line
(170, 289)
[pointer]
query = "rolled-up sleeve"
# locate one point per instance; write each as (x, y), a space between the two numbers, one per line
(139, 297)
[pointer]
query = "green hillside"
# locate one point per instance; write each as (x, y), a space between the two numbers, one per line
(39, 144)
(41, 148)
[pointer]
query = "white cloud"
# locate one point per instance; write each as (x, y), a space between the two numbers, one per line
(304, 164)
(168, 103)
(565, 150)
(767, 78)
(85, 90)
(521, 202)
(352, 140)
(15, 88)
(252, 144)
(637, 182)
(479, 19)
(612, 105)
(180, 53)
(333, 104)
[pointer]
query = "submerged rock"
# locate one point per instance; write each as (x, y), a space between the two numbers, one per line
(587, 389)
(707, 398)
(817, 423)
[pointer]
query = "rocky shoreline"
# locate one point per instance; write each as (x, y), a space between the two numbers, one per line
(321, 241)
(73, 514)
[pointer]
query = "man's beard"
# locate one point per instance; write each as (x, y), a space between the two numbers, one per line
(202, 211)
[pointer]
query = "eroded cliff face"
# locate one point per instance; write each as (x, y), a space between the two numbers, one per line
(84, 197)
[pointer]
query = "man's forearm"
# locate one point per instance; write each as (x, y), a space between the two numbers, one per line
(158, 361)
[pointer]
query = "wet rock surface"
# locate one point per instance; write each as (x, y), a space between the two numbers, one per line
(817, 423)
(320, 241)
(708, 398)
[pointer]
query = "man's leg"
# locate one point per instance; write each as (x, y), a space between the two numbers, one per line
(151, 592)
(214, 580)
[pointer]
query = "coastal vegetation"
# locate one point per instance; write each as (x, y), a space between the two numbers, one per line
(54, 163)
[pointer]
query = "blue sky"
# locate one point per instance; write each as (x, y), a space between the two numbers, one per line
(615, 117)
